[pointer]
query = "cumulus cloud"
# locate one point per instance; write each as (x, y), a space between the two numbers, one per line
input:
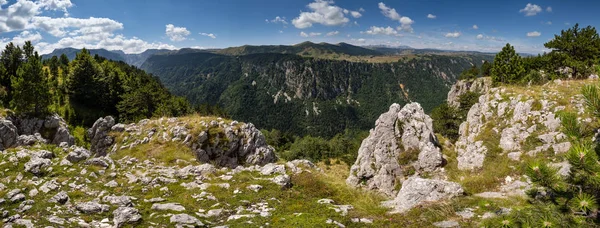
(391, 13)
(480, 36)
(355, 14)
(277, 19)
(534, 34)
(475, 27)
(209, 35)
(176, 33)
(431, 16)
(322, 12)
(549, 9)
(374, 30)
(24, 16)
(61, 5)
(333, 33)
(453, 34)
(531, 9)
(303, 34)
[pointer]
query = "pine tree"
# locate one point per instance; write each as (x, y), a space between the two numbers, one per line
(486, 68)
(508, 66)
(31, 94)
(81, 82)
(576, 48)
(11, 58)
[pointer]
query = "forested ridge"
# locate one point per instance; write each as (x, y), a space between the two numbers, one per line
(81, 90)
(303, 95)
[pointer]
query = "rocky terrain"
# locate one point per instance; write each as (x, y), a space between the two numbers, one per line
(197, 171)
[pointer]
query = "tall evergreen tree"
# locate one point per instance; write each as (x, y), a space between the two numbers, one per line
(576, 48)
(31, 95)
(11, 58)
(508, 66)
(81, 82)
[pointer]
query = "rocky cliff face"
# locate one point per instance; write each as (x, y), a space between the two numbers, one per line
(515, 122)
(16, 131)
(218, 141)
(479, 85)
(305, 95)
(402, 140)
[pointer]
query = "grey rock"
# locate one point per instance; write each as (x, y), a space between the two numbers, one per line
(56, 220)
(60, 198)
(270, 169)
(49, 186)
(29, 140)
(37, 165)
(254, 187)
(126, 215)
(99, 139)
(479, 85)
(406, 130)
(8, 134)
(78, 154)
(282, 180)
(91, 207)
(118, 200)
(416, 190)
(446, 224)
(97, 162)
(564, 168)
(167, 206)
(185, 219)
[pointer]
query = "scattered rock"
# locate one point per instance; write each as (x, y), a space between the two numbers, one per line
(282, 180)
(91, 207)
(126, 215)
(36, 165)
(168, 206)
(78, 154)
(60, 198)
(416, 190)
(447, 224)
(99, 139)
(185, 219)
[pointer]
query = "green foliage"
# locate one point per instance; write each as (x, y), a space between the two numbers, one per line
(486, 68)
(446, 121)
(31, 94)
(308, 147)
(534, 77)
(471, 73)
(342, 146)
(508, 66)
(577, 49)
(346, 95)
(591, 95)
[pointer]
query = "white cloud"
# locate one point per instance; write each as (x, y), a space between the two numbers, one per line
(61, 5)
(176, 33)
(355, 14)
(333, 33)
(405, 22)
(277, 19)
(533, 34)
(280, 31)
(531, 9)
(431, 16)
(21, 38)
(452, 34)
(374, 30)
(548, 9)
(361, 10)
(480, 36)
(209, 35)
(58, 26)
(322, 12)
(475, 27)
(303, 34)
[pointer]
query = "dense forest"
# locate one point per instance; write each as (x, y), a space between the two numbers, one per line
(308, 96)
(81, 90)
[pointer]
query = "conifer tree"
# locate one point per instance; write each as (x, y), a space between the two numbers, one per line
(508, 66)
(31, 95)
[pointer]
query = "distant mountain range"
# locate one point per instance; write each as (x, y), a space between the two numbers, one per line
(117, 55)
(340, 51)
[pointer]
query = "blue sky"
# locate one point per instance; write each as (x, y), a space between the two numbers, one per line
(135, 25)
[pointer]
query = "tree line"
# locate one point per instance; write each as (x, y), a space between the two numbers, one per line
(83, 89)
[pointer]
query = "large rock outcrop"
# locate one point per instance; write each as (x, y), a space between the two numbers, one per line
(417, 190)
(396, 132)
(100, 140)
(226, 144)
(479, 85)
(513, 124)
(17, 131)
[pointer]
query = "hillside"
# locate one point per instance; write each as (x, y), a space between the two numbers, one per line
(131, 59)
(209, 171)
(307, 95)
(307, 49)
